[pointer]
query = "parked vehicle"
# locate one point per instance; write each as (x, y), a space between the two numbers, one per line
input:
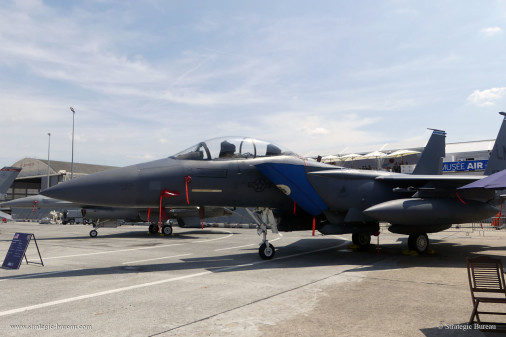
(72, 216)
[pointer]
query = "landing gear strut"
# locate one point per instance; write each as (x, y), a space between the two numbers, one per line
(93, 232)
(264, 217)
(418, 242)
(266, 249)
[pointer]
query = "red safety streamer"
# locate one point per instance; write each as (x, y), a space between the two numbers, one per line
(164, 194)
(314, 224)
(160, 214)
(294, 207)
(202, 215)
(34, 204)
(187, 180)
(462, 201)
(149, 213)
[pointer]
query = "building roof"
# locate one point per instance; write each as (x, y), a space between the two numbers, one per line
(31, 167)
(475, 146)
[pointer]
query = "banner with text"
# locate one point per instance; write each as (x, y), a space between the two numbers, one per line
(466, 165)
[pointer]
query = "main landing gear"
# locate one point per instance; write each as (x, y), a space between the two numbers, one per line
(264, 217)
(166, 229)
(153, 228)
(418, 242)
(362, 240)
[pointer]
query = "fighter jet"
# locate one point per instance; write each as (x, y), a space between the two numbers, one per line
(99, 216)
(7, 177)
(302, 194)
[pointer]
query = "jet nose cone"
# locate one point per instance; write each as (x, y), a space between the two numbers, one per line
(109, 188)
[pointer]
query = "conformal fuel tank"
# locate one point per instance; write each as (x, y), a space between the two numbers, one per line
(417, 211)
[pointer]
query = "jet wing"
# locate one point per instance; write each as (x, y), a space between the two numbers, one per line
(420, 179)
(398, 178)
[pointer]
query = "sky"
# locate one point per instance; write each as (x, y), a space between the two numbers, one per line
(150, 78)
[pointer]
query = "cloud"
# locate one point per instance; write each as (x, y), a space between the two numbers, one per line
(491, 31)
(304, 133)
(487, 97)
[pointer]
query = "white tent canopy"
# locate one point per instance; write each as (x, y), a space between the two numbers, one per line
(350, 157)
(402, 153)
(330, 159)
(374, 154)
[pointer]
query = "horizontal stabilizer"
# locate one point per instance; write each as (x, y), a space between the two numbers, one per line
(496, 181)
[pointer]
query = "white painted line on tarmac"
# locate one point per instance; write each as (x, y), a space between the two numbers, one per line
(253, 244)
(134, 249)
(112, 251)
(150, 284)
(218, 250)
(223, 237)
(158, 258)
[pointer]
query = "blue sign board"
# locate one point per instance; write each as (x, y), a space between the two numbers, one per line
(467, 165)
(17, 250)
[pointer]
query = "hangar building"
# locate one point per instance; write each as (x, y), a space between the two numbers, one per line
(34, 175)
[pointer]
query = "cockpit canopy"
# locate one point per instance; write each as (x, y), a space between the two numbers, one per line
(231, 148)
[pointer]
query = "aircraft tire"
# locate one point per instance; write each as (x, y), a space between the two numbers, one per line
(153, 229)
(167, 230)
(93, 233)
(362, 240)
(265, 252)
(418, 242)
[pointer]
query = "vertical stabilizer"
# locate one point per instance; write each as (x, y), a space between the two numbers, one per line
(431, 160)
(7, 177)
(497, 160)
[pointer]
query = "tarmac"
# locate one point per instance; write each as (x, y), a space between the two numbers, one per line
(212, 282)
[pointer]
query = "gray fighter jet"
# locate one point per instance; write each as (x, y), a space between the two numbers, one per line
(99, 216)
(302, 194)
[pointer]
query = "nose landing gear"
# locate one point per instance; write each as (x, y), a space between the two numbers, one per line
(263, 217)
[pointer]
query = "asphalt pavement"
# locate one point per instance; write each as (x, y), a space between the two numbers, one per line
(212, 282)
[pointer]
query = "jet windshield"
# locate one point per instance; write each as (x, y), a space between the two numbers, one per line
(231, 148)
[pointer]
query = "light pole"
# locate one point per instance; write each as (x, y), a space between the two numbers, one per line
(72, 167)
(48, 152)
